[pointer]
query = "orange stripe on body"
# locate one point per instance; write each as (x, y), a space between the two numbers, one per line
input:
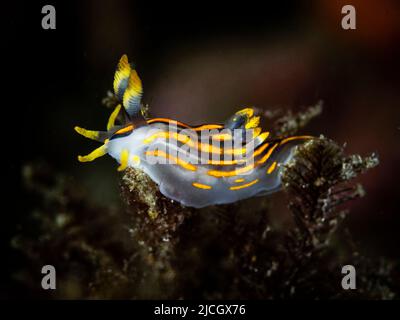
(244, 185)
(296, 138)
(169, 121)
(126, 129)
(220, 174)
(202, 147)
(201, 186)
(272, 167)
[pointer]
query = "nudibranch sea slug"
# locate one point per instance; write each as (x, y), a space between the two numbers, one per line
(199, 165)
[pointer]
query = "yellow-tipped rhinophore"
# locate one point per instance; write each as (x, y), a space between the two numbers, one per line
(90, 134)
(246, 111)
(133, 93)
(113, 116)
(100, 151)
(122, 73)
(253, 122)
(124, 160)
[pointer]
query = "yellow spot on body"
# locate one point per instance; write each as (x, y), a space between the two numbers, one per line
(90, 134)
(177, 160)
(136, 159)
(239, 180)
(113, 116)
(272, 167)
(201, 186)
(123, 160)
(244, 185)
(101, 151)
